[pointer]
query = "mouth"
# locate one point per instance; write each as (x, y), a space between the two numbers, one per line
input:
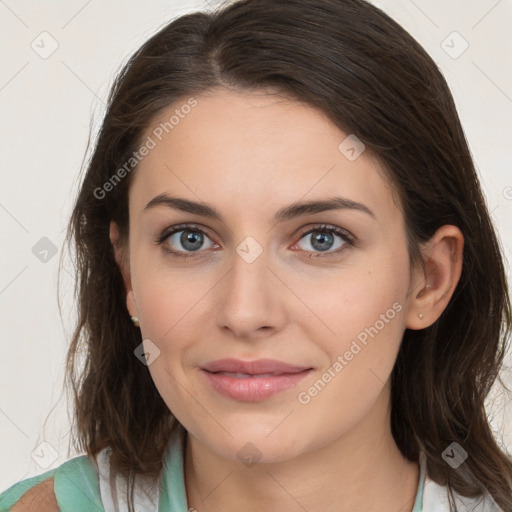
(246, 375)
(253, 368)
(253, 381)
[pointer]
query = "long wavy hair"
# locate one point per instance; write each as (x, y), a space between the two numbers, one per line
(371, 78)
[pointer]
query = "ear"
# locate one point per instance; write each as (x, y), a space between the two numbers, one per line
(432, 292)
(122, 260)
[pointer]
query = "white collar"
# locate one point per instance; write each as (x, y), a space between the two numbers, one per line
(435, 498)
(113, 488)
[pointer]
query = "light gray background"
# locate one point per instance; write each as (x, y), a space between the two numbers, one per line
(47, 105)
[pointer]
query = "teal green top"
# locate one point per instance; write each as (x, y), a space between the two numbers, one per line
(76, 485)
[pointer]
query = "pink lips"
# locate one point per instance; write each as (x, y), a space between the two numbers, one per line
(252, 381)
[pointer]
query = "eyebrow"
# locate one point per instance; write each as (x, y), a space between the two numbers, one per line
(288, 212)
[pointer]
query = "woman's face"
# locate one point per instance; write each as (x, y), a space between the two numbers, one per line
(259, 286)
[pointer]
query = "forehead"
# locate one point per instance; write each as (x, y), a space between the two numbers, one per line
(250, 149)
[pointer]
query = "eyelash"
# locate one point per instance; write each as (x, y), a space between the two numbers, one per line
(325, 228)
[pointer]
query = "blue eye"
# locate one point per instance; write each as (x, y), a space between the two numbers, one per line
(192, 238)
(322, 238)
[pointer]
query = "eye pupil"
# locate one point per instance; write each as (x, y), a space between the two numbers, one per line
(191, 237)
(321, 237)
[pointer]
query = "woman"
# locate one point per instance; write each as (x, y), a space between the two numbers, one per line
(284, 261)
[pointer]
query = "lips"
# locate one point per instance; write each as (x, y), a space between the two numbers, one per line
(262, 367)
(237, 375)
(253, 381)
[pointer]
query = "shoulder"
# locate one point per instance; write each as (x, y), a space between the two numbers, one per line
(14, 493)
(74, 481)
(41, 498)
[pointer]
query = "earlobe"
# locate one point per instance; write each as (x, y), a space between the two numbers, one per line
(443, 256)
(132, 306)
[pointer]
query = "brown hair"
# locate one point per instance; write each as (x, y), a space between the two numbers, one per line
(372, 79)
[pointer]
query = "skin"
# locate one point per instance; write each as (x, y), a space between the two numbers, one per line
(250, 154)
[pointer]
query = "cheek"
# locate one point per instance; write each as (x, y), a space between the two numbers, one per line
(166, 299)
(166, 309)
(360, 356)
(365, 296)
(366, 308)
(362, 314)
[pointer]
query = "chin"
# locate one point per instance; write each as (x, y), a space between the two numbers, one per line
(253, 444)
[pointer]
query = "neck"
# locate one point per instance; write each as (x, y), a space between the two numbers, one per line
(362, 469)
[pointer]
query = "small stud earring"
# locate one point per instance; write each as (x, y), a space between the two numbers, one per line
(420, 315)
(135, 320)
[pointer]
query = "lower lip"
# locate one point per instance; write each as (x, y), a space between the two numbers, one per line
(254, 389)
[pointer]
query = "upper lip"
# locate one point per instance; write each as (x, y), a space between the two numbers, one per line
(256, 367)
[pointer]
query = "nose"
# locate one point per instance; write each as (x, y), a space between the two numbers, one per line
(250, 299)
